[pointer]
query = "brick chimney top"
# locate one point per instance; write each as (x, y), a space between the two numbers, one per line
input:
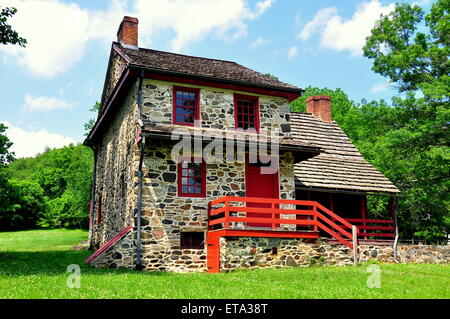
(320, 107)
(127, 35)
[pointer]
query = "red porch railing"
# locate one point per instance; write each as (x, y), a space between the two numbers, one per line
(374, 228)
(312, 216)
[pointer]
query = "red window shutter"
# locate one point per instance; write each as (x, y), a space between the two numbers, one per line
(99, 210)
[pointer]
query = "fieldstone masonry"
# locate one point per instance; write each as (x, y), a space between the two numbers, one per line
(251, 252)
(121, 255)
(216, 108)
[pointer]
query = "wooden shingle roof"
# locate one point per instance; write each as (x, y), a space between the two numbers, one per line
(203, 67)
(341, 167)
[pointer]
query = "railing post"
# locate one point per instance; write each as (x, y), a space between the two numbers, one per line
(227, 214)
(273, 215)
(355, 245)
(315, 218)
(209, 215)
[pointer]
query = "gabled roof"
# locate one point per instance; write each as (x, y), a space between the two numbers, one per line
(207, 68)
(341, 166)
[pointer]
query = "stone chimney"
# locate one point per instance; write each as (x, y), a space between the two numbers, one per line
(320, 107)
(127, 35)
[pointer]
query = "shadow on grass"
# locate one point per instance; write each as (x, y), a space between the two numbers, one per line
(54, 263)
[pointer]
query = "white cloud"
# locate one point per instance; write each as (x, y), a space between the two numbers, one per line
(57, 32)
(259, 42)
(292, 52)
(340, 34)
(380, 87)
(44, 103)
(30, 143)
(193, 20)
(320, 19)
(422, 3)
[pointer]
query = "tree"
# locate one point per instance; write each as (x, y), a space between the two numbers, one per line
(65, 177)
(5, 155)
(6, 192)
(412, 49)
(90, 124)
(26, 205)
(270, 75)
(7, 34)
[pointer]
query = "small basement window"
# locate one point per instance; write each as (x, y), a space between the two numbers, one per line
(186, 105)
(192, 240)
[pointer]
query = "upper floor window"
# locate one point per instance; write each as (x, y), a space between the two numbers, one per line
(186, 105)
(246, 112)
(191, 178)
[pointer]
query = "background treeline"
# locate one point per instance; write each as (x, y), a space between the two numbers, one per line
(410, 147)
(49, 190)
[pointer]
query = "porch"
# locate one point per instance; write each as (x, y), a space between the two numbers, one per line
(280, 218)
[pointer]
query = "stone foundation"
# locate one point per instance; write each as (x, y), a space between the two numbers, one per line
(251, 252)
(254, 252)
(120, 255)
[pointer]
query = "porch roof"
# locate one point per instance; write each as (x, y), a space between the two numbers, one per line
(286, 144)
(340, 166)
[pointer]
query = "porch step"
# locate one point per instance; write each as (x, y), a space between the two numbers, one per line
(108, 244)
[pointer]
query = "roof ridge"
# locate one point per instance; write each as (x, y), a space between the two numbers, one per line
(179, 54)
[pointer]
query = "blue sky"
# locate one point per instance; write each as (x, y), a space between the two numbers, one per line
(48, 87)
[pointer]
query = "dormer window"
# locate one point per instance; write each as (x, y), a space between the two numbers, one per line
(246, 112)
(186, 105)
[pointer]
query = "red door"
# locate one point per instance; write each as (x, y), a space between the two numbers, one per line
(260, 185)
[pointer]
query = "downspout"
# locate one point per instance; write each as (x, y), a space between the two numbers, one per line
(396, 232)
(140, 175)
(139, 208)
(93, 186)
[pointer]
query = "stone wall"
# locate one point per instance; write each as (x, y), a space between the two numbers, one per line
(116, 164)
(117, 66)
(120, 255)
(251, 252)
(216, 107)
(165, 214)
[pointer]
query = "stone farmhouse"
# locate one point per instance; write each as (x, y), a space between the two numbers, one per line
(290, 189)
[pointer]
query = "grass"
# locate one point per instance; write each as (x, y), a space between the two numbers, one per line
(33, 265)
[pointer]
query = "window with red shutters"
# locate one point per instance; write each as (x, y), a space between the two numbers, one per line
(191, 178)
(246, 112)
(99, 210)
(186, 105)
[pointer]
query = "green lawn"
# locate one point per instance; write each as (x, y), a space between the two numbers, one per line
(33, 265)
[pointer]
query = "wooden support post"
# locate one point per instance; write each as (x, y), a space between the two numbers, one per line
(273, 215)
(227, 214)
(315, 218)
(209, 215)
(331, 207)
(364, 212)
(355, 245)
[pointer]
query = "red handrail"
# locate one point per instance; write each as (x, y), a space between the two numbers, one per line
(320, 216)
(108, 244)
(383, 228)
